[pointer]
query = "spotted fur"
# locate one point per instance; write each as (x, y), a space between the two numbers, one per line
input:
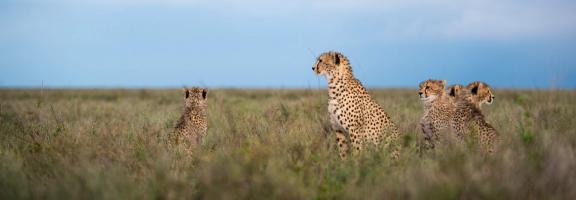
(458, 111)
(438, 110)
(354, 114)
(192, 126)
(469, 118)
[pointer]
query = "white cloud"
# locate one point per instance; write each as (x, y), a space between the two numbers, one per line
(492, 19)
(512, 20)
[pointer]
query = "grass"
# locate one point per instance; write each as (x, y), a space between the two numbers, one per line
(271, 144)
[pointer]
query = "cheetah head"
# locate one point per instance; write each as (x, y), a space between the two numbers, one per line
(455, 90)
(329, 64)
(480, 93)
(431, 89)
(195, 96)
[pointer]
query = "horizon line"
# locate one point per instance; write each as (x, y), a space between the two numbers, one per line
(238, 87)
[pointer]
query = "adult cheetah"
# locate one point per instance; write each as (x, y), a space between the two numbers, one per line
(354, 114)
(193, 124)
(458, 110)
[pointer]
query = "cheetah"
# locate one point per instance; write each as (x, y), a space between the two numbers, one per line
(354, 114)
(193, 124)
(458, 111)
(468, 116)
(478, 93)
(455, 91)
(438, 109)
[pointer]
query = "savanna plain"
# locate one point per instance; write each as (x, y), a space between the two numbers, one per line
(273, 144)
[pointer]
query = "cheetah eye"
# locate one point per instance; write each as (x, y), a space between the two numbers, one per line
(427, 87)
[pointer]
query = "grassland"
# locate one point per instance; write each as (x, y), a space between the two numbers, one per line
(271, 144)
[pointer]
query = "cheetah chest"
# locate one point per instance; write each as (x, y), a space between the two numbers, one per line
(334, 111)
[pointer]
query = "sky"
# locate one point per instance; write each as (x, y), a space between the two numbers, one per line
(273, 44)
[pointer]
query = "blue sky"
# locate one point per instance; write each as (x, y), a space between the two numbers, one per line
(259, 43)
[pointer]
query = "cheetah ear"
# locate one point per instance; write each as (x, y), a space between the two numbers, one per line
(473, 84)
(336, 58)
(474, 90)
(452, 91)
(187, 92)
(481, 85)
(204, 93)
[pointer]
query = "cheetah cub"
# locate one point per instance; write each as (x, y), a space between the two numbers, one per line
(354, 114)
(469, 118)
(477, 93)
(438, 109)
(192, 125)
(458, 111)
(456, 91)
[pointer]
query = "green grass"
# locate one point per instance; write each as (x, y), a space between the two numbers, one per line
(271, 144)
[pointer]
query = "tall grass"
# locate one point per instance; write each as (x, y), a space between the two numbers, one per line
(262, 144)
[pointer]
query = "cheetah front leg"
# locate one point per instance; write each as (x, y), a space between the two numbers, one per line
(356, 139)
(487, 140)
(430, 134)
(393, 142)
(200, 136)
(460, 129)
(342, 143)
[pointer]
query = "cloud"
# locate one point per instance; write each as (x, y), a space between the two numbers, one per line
(466, 19)
(472, 19)
(516, 19)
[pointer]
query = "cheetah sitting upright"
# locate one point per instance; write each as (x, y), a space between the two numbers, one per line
(354, 115)
(468, 116)
(193, 124)
(459, 111)
(438, 109)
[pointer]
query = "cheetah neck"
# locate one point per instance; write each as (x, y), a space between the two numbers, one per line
(196, 111)
(344, 84)
(473, 101)
(440, 99)
(334, 86)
